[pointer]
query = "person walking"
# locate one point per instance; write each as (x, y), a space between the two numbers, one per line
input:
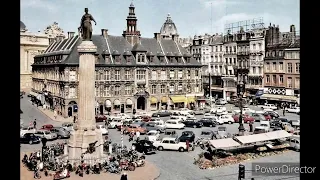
(74, 119)
(188, 145)
(251, 127)
(55, 114)
(284, 111)
(138, 135)
(124, 176)
(35, 123)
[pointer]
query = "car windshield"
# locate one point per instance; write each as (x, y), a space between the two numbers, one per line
(46, 132)
(152, 133)
(24, 128)
(205, 133)
(265, 125)
(222, 128)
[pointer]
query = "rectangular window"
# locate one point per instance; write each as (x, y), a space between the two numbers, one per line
(297, 83)
(254, 70)
(107, 88)
(281, 79)
(72, 76)
(163, 75)
(117, 75)
(128, 90)
(97, 92)
(289, 82)
(289, 68)
(163, 89)
(196, 73)
(197, 89)
(268, 78)
(297, 67)
(180, 74)
(117, 90)
(153, 89)
(172, 74)
(141, 75)
(188, 74)
(274, 66)
(102, 91)
(171, 88)
(101, 75)
(107, 75)
(97, 76)
(274, 79)
(267, 67)
(128, 75)
(154, 75)
(280, 66)
(180, 89)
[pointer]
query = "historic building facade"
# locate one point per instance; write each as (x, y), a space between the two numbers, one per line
(132, 72)
(282, 65)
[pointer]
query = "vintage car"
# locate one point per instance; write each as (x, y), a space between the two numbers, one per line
(246, 118)
(30, 138)
(198, 112)
(152, 126)
(208, 122)
(46, 134)
(206, 135)
(103, 129)
(135, 128)
(187, 136)
(171, 144)
(170, 133)
(124, 125)
(146, 118)
(192, 123)
(68, 126)
(293, 110)
(153, 135)
(272, 114)
(259, 117)
(144, 146)
(27, 129)
(47, 127)
(225, 119)
(101, 118)
(174, 124)
(221, 133)
(162, 113)
(61, 132)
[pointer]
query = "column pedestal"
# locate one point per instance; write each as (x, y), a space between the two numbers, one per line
(85, 129)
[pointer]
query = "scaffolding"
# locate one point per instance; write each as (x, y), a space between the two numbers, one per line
(246, 25)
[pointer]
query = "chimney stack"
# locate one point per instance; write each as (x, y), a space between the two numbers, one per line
(104, 33)
(157, 36)
(71, 34)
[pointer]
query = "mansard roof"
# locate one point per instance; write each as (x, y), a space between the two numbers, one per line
(117, 46)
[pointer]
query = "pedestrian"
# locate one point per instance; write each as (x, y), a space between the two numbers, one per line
(124, 176)
(55, 114)
(138, 135)
(74, 119)
(188, 145)
(284, 111)
(35, 123)
(251, 127)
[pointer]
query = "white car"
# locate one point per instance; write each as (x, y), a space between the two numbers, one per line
(269, 106)
(264, 125)
(29, 129)
(225, 119)
(245, 111)
(208, 115)
(174, 124)
(153, 135)
(185, 109)
(295, 123)
(46, 134)
(103, 129)
(181, 118)
(293, 110)
(170, 144)
(115, 122)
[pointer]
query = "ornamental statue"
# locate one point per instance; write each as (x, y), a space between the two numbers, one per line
(86, 26)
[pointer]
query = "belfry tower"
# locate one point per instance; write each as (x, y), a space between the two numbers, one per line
(131, 33)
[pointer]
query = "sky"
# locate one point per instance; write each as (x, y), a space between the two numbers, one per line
(191, 17)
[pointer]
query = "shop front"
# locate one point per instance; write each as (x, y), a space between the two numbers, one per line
(164, 102)
(276, 99)
(129, 106)
(154, 104)
(178, 102)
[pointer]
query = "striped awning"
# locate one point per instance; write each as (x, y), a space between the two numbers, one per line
(178, 99)
(153, 100)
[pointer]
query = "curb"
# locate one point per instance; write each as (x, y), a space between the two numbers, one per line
(49, 116)
(157, 176)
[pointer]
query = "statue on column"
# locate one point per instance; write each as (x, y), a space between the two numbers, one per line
(86, 26)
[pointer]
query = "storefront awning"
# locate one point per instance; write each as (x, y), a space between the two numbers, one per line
(116, 102)
(178, 99)
(191, 99)
(153, 100)
(277, 97)
(108, 103)
(164, 99)
(129, 102)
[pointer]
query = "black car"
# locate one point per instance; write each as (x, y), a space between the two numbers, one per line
(275, 123)
(208, 122)
(144, 146)
(192, 123)
(283, 120)
(30, 138)
(187, 135)
(162, 113)
(272, 114)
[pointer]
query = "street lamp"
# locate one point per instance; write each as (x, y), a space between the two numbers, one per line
(44, 146)
(241, 73)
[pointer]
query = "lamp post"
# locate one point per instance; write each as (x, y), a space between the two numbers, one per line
(210, 95)
(44, 146)
(241, 73)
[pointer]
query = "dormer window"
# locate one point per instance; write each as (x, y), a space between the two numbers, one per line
(188, 59)
(151, 58)
(141, 58)
(171, 59)
(128, 59)
(117, 59)
(107, 59)
(179, 60)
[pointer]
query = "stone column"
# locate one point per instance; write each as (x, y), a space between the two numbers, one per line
(85, 130)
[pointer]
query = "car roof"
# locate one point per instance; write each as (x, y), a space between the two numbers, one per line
(42, 130)
(168, 138)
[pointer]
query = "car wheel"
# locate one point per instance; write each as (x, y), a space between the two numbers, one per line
(30, 142)
(194, 126)
(181, 149)
(210, 125)
(160, 148)
(230, 122)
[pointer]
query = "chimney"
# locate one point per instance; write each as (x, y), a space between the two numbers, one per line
(71, 34)
(157, 36)
(104, 33)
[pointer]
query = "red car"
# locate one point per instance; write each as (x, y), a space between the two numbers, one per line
(246, 118)
(267, 116)
(101, 118)
(47, 127)
(146, 118)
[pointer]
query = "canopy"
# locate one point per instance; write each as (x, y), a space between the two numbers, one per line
(108, 103)
(224, 143)
(178, 99)
(279, 97)
(278, 134)
(164, 99)
(153, 100)
(263, 137)
(116, 102)
(191, 99)
(129, 102)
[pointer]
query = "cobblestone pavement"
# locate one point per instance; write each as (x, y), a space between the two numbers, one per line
(174, 165)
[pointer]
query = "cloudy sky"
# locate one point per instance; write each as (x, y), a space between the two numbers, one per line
(190, 16)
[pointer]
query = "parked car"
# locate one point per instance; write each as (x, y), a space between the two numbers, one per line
(68, 126)
(124, 125)
(101, 118)
(258, 117)
(170, 144)
(277, 129)
(198, 112)
(268, 106)
(208, 122)
(264, 126)
(153, 135)
(295, 123)
(170, 133)
(144, 146)
(209, 115)
(61, 132)
(246, 118)
(27, 129)
(115, 122)
(46, 134)
(225, 119)
(135, 128)
(146, 118)
(30, 138)
(275, 123)
(296, 134)
(272, 114)
(221, 133)
(174, 124)
(283, 120)
(103, 129)
(162, 113)
(192, 123)
(207, 134)
(47, 127)
(294, 143)
(221, 102)
(293, 110)
(187, 135)
(152, 126)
